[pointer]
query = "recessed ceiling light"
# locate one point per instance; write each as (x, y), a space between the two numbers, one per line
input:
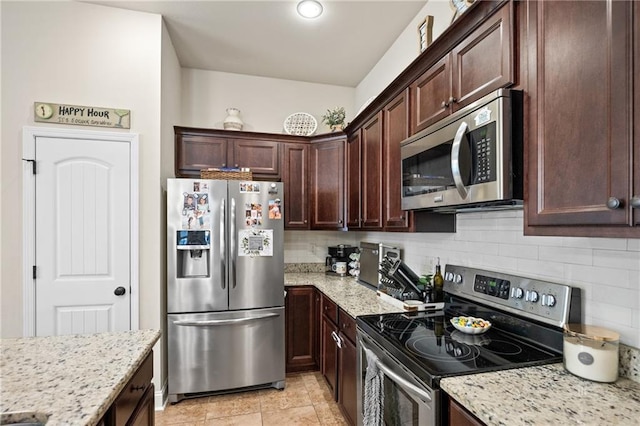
(309, 9)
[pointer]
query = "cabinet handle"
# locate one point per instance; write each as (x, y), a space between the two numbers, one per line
(224, 164)
(635, 202)
(444, 104)
(452, 100)
(613, 203)
(135, 388)
(340, 222)
(236, 166)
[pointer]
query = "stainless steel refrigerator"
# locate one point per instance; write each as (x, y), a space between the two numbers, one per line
(225, 286)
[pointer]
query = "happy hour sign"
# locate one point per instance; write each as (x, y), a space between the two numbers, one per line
(81, 115)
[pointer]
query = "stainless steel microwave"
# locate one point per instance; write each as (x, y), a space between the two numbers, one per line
(471, 159)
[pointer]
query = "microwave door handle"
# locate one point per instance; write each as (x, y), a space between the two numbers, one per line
(455, 159)
(397, 378)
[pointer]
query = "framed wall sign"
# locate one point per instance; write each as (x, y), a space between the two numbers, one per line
(46, 112)
(425, 33)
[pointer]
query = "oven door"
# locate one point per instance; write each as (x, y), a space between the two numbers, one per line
(405, 399)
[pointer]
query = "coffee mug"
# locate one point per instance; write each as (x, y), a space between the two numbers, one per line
(339, 267)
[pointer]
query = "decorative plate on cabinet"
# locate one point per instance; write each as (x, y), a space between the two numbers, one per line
(300, 124)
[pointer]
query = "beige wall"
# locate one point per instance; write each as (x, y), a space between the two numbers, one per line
(403, 51)
(171, 111)
(77, 53)
(264, 102)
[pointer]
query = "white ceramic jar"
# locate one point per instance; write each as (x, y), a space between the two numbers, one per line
(591, 352)
(233, 121)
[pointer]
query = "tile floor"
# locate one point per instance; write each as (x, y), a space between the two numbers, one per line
(304, 401)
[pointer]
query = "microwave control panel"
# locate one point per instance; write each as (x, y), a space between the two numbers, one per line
(483, 149)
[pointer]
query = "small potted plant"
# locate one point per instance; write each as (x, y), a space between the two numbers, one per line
(334, 118)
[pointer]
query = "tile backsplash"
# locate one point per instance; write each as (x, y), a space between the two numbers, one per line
(606, 269)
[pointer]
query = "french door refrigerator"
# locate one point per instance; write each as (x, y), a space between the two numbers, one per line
(225, 286)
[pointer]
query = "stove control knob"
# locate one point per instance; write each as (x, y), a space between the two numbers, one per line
(551, 300)
(534, 296)
(448, 276)
(518, 293)
(457, 278)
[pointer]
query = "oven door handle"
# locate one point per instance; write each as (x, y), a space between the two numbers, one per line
(396, 377)
(455, 160)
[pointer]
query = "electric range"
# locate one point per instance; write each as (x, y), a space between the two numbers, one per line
(420, 348)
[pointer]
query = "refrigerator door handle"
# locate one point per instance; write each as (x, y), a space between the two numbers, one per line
(223, 258)
(232, 237)
(223, 321)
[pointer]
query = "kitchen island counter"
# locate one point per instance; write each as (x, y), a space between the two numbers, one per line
(74, 379)
(353, 297)
(545, 394)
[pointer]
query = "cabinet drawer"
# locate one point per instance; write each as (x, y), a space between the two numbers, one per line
(132, 394)
(347, 325)
(329, 309)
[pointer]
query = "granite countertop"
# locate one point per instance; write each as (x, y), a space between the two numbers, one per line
(354, 298)
(547, 395)
(73, 379)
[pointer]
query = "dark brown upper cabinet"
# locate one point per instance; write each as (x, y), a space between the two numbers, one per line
(327, 170)
(395, 117)
(482, 62)
(198, 149)
(583, 114)
(364, 171)
(295, 170)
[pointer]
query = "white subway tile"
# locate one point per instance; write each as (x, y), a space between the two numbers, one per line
(518, 250)
(620, 297)
(567, 255)
(617, 259)
(633, 244)
(596, 243)
(597, 275)
(600, 311)
(545, 270)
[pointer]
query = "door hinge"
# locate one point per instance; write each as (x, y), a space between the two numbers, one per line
(33, 165)
(35, 272)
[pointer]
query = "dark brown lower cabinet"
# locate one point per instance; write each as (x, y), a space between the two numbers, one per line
(301, 329)
(347, 386)
(460, 416)
(329, 354)
(134, 405)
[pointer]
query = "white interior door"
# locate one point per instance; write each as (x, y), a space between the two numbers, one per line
(82, 236)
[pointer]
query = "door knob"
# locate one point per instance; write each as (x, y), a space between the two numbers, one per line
(119, 291)
(613, 203)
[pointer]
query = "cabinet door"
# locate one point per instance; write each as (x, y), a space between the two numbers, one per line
(294, 168)
(580, 133)
(348, 387)
(396, 129)
(459, 416)
(145, 413)
(196, 152)
(327, 185)
(371, 187)
(259, 155)
(430, 95)
(483, 62)
(354, 181)
(301, 319)
(329, 355)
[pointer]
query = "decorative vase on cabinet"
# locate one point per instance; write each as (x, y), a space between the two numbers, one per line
(233, 121)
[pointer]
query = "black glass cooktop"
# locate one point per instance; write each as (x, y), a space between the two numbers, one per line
(432, 348)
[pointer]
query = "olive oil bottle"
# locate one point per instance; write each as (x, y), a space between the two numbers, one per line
(438, 284)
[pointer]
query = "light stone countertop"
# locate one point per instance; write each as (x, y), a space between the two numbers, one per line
(354, 298)
(545, 395)
(75, 378)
